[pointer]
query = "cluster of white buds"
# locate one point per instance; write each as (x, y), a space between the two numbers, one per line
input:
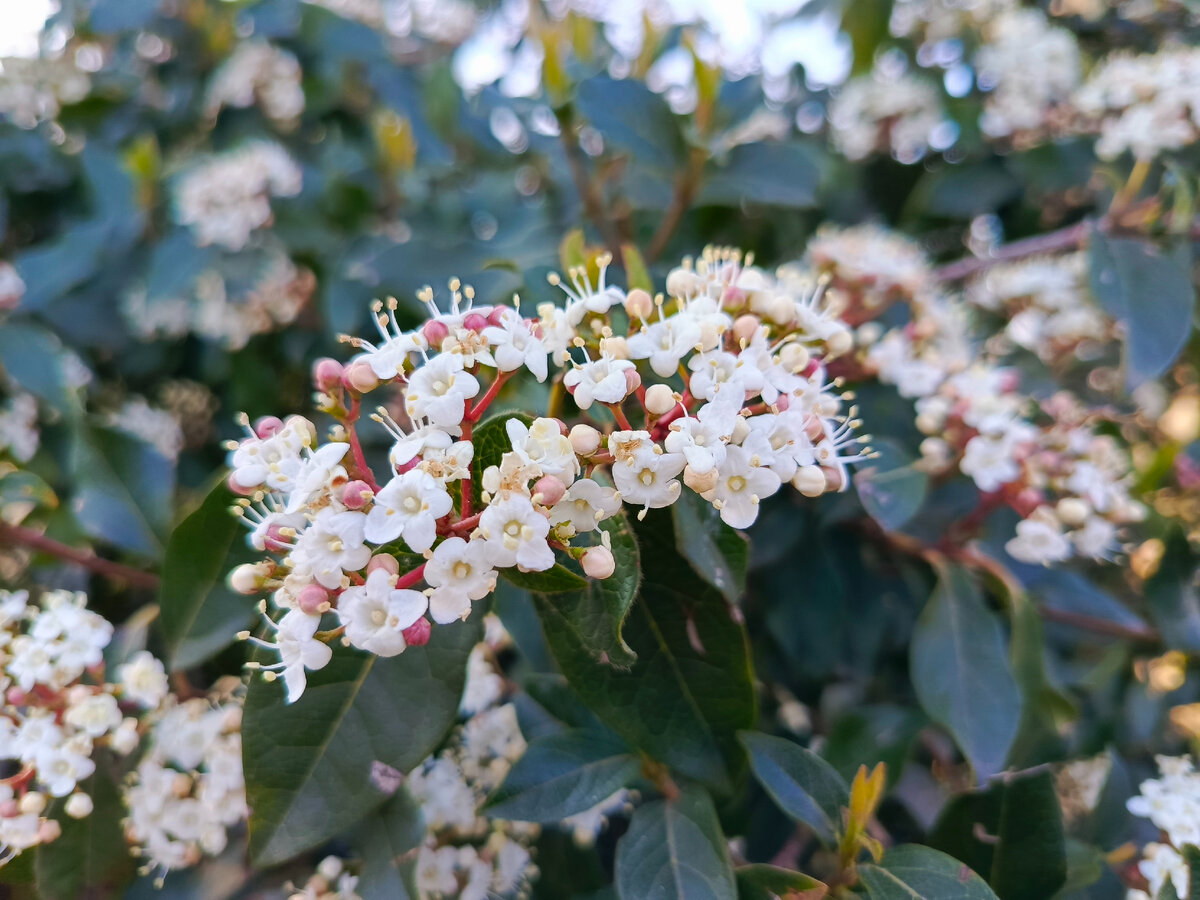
(1146, 104)
(226, 198)
(1046, 307)
(258, 72)
(34, 90)
(719, 385)
(942, 20)
(878, 113)
(1172, 803)
(331, 881)
(869, 268)
(58, 709)
(19, 435)
(188, 789)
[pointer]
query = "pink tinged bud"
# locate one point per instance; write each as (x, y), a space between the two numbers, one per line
(356, 494)
(744, 327)
(474, 322)
(267, 426)
(551, 489)
(1026, 502)
(783, 402)
(585, 440)
(496, 316)
(383, 561)
(633, 381)
(417, 634)
(313, 599)
(15, 696)
(327, 374)
(814, 429)
(48, 831)
(408, 466)
(598, 562)
(239, 488)
(9, 808)
(639, 304)
(245, 579)
(276, 541)
(361, 377)
(435, 332)
(834, 479)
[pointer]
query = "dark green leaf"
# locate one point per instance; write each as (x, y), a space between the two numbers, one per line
(763, 882)
(866, 21)
(891, 490)
(35, 359)
(691, 688)
(317, 766)
(802, 784)
(675, 848)
(200, 615)
(773, 173)
(386, 842)
(1172, 597)
(491, 442)
(913, 872)
(555, 580)
(867, 734)
(961, 673)
(718, 553)
(632, 118)
(1013, 831)
(561, 775)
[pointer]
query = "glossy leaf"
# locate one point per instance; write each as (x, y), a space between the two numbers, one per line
(386, 841)
(562, 775)
(200, 615)
(317, 766)
(773, 173)
(35, 359)
(633, 119)
(675, 848)
(801, 783)
(760, 881)
(960, 670)
(716, 552)
(892, 491)
(491, 442)
(913, 872)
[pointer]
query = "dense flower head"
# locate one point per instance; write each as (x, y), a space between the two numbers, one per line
(939, 20)
(1172, 803)
(879, 113)
(34, 90)
(258, 72)
(723, 376)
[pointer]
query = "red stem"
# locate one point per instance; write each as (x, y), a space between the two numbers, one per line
(474, 414)
(15, 534)
(467, 524)
(468, 491)
(619, 415)
(360, 460)
(410, 578)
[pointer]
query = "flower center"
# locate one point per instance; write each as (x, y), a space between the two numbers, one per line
(646, 477)
(378, 617)
(737, 483)
(462, 570)
(411, 504)
(513, 529)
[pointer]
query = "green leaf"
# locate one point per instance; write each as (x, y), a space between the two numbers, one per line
(561, 775)
(773, 173)
(123, 490)
(595, 616)
(636, 273)
(1044, 708)
(866, 22)
(572, 251)
(717, 553)
(199, 614)
(1172, 597)
(691, 688)
(913, 872)
(90, 858)
(316, 767)
(1191, 853)
(632, 118)
(34, 358)
(1013, 831)
(760, 881)
(386, 842)
(675, 848)
(555, 580)
(891, 490)
(957, 656)
(1150, 290)
(801, 783)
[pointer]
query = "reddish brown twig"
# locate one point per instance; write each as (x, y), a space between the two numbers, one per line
(25, 537)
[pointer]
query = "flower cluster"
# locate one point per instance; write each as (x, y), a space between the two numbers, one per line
(188, 788)
(1146, 104)
(1172, 803)
(1046, 307)
(262, 73)
(940, 20)
(33, 90)
(224, 199)
(331, 881)
(59, 708)
(19, 435)
(740, 404)
(878, 113)
(12, 286)
(1029, 66)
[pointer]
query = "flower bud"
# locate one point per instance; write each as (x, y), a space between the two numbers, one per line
(361, 377)
(240, 489)
(701, 484)
(585, 440)
(633, 381)
(660, 399)
(356, 494)
(794, 357)
(124, 740)
(330, 868)
(682, 282)
(327, 374)
(809, 481)
(550, 488)
(79, 806)
(474, 322)
(275, 541)
(49, 831)
(267, 426)
(16, 696)
(499, 311)
(435, 332)
(839, 343)
(639, 304)
(598, 562)
(313, 599)
(782, 309)
(710, 334)
(741, 430)
(616, 347)
(9, 808)
(1072, 511)
(32, 804)
(417, 634)
(744, 327)
(247, 578)
(835, 479)
(384, 561)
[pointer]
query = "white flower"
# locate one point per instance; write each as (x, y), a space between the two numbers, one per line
(376, 613)
(714, 368)
(702, 439)
(408, 506)
(665, 343)
(331, 545)
(424, 437)
(781, 442)
(1039, 539)
(1096, 539)
(439, 390)
(543, 444)
(459, 571)
(514, 345)
(585, 504)
(990, 461)
(312, 473)
(299, 649)
(94, 714)
(645, 476)
(601, 380)
(583, 297)
(62, 767)
(143, 680)
(516, 534)
(741, 484)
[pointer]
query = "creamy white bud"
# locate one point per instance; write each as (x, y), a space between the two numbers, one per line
(809, 481)
(598, 562)
(701, 484)
(794, 357)
(660, 399)
(839, 342)
(79, 806)
(1072, 511)
(585, 440)
(33, 803)
(741, 430)
(639, 304)
(247, 578)
(782, 309)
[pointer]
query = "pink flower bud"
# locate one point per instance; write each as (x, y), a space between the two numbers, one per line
(783, 402)
(435, 332)
(239, 488)
(267, 426)
(598, 562)
(360, 377)
(383, 561)
(744, 327)
(408, 466)
(15, 696)
(551, 489)
(356, 494)
(499, 311)
(633, 381)
(49, 831)
(313, 599)
(327, 374)
(814, 429)
(474, 322)
(639, 304)
(733, 297)
(834, 479)
(276, 541)
(9, 808)
(417, 634)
